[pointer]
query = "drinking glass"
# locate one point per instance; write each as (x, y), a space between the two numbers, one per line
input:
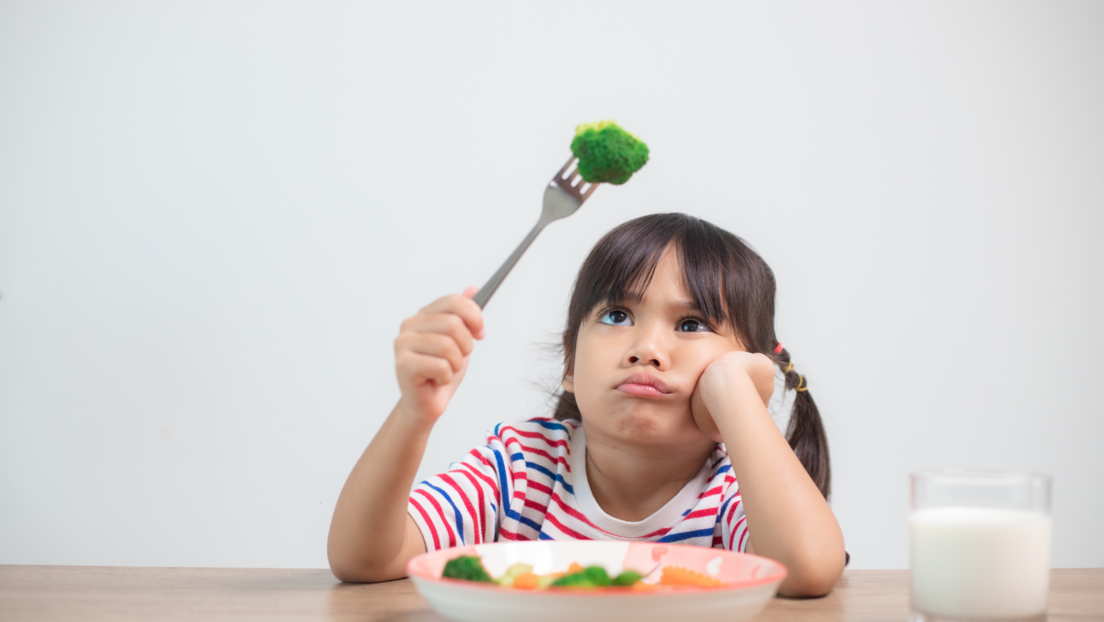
(979, 545)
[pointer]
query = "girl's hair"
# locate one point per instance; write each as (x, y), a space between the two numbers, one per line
(729, 282)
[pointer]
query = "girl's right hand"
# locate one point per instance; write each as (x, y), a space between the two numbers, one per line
(431, 353)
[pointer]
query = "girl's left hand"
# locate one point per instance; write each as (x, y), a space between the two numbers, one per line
(727, 373)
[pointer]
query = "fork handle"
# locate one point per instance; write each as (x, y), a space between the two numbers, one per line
(488, 290)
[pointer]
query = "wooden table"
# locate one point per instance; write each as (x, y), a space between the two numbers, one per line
(91, 594)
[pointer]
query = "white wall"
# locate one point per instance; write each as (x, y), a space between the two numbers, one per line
(213, 217)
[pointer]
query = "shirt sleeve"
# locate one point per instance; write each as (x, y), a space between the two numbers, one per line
(460, 506)
(734, 533)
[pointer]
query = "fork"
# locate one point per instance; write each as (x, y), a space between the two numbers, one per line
(564, 195)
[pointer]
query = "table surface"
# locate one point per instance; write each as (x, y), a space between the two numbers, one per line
(94, 593)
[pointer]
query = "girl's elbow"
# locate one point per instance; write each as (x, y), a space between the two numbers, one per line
(360, 573)
(812, 578)
(351, 569)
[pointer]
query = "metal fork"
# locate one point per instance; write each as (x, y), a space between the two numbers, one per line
(564, 195)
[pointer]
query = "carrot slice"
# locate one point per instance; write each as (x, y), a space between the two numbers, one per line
(573, 568)
(526, 581)
(677, 575)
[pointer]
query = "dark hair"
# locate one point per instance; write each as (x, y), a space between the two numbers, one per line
(731, 285)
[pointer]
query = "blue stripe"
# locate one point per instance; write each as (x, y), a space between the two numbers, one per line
(506, 509)
(538, 468)
(529, 523)
(565, 485)
(556, 477)
(517, 456)
(455, 510)
(725, 469)
(502, 489)
(686, 535)
(551, 425)
(498, 429)
(544, 536)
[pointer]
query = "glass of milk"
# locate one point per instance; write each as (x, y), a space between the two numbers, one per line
(979, 545)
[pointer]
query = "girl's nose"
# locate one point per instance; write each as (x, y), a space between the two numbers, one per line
(654, 362)
(648, 352)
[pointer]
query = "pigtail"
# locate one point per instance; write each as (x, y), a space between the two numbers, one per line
(806, 430)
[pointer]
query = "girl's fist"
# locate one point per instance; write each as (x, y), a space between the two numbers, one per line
(731, 372)
(432, 350)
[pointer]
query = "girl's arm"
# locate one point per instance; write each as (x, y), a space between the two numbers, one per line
(371, 535)
(788, 519)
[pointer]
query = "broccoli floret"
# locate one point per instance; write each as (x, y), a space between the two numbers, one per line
(627, 578)
(592, 576)
(607, 153)
(468, 568)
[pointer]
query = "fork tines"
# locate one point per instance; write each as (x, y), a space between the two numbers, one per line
(570, 181)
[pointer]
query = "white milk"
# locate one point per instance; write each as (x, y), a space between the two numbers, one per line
(979, 562)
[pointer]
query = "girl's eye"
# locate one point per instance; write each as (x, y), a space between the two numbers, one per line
(690, 325)
(614, 317)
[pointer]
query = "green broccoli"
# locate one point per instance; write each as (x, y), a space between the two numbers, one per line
(627, 578)
(607, 153)
(591, 576)
(468, 568)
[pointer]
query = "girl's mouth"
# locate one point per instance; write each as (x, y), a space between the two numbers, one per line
(644, 385)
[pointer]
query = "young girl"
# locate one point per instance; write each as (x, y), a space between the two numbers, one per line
(672, 426)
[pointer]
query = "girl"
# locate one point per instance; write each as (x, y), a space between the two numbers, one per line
(672, 425)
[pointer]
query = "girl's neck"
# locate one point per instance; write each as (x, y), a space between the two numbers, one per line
(631, 482)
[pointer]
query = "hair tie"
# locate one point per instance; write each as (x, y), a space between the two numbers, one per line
(801, 379)
(778, 348)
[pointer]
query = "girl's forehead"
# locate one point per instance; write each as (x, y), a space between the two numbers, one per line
(667, 283)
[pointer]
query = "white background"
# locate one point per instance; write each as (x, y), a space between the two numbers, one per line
(214, 216)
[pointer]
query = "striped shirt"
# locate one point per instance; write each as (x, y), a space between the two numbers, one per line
(529, 482)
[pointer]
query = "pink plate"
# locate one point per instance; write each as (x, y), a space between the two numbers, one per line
(750, 582)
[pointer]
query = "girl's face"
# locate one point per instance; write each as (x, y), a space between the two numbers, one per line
(637, 364)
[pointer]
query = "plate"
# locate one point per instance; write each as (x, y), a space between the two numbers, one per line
(750, 582)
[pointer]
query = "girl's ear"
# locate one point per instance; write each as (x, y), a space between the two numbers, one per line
(569, 380)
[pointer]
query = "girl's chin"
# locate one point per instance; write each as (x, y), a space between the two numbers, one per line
(649, 426)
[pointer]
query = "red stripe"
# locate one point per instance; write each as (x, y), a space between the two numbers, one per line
(716, 490)
(540, 452)
(740, 546)
(529, 503)
(467, 504)
(425, 517)
(573, 513)
(732, 508)
(566, 530)
(482, 458)
(510, 535)
(539, 487)
(701, 513)
(519, 494)
(441, 513)
(483, 476)
(717, 540)
(555, 443)
(482, 504)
